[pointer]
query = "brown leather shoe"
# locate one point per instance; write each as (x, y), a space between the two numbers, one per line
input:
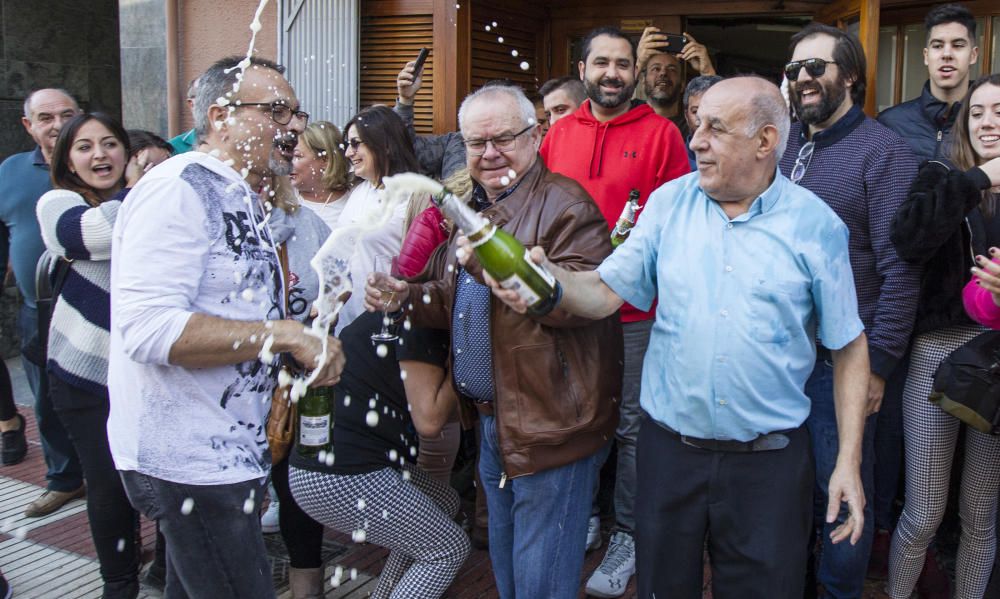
(51, 501)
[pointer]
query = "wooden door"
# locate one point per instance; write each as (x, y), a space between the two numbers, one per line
(860, 17)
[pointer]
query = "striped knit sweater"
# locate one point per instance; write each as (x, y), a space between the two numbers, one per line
(79, 331)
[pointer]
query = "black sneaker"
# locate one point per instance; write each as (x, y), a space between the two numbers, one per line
(15, 447)
(5, 591)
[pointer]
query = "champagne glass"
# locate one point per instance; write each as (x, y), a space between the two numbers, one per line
(385, 264)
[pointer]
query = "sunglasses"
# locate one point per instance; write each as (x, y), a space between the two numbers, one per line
(814, 66)
(354, 143)
(802, 161)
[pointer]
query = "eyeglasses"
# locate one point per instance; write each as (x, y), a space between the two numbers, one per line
(354, 143)
(281, 113)
(802, 161)
(502, 143)
(814, 66)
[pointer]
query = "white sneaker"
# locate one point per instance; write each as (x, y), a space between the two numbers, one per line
(593, 533)
(612, 576)
(269, 519)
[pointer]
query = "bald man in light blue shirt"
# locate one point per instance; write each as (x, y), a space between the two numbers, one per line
(749, 270)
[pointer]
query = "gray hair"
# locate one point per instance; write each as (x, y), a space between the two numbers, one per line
(216, 82)
(494, 92)
(768, 108)
(31, 96)
(698, 86)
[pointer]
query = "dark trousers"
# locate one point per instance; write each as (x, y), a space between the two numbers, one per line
(8, 409)
(64, 472)
(215, 551)
(303, 536)
(889, 447)
(755, 509)
(113, 522)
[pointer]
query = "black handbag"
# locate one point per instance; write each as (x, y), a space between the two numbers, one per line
(967, 383)
(50, 274)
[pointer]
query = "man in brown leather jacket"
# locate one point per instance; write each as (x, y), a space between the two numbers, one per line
(547, 387)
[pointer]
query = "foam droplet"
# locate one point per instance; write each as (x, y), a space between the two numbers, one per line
(505, 180)
(500, 39)
(513, 53)
(524, 65)
(187, 506)
(382, 350)
(359, 536)
(371, 418)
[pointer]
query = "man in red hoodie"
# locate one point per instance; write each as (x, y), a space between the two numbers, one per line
(612, 145)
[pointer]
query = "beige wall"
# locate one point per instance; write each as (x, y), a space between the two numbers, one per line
(212, 29)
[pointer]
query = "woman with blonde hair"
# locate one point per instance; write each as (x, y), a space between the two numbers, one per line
(320, 172)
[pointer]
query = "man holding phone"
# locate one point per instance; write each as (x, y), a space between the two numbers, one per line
(439, 155)
(660, 63)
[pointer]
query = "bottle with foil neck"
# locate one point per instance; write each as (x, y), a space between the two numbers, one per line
(502, 256)
(627, 220)
(315, 425)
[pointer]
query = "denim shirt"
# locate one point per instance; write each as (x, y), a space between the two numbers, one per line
(740, 304)
(472, 356)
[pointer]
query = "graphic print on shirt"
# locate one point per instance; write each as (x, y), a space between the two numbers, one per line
(242, 269)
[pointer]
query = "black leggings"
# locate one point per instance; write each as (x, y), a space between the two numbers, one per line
(7, 408)
(113, 522)
(303, 536)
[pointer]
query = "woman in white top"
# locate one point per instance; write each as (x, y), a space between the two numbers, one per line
(320, 171)
(377, 146)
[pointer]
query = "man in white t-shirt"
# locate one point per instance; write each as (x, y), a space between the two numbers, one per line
(197, 313)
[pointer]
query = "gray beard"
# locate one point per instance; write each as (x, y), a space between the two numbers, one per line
(279, 167)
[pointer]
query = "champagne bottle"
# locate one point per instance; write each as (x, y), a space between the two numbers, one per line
(502, 256)
(315, 421)
(627, 220)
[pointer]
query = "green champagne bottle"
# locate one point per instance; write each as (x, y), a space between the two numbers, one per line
(315, 428)
(627, 220)
(502, 256)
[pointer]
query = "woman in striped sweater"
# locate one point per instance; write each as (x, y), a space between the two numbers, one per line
(76, 219)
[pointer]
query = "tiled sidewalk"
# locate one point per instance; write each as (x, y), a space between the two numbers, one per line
(53, 557)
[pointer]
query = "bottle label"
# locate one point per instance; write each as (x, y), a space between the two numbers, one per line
(546, 275)
(521, 287)
(517, 284)
(314, 431)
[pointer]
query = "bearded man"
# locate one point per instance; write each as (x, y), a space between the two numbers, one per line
(862, 170)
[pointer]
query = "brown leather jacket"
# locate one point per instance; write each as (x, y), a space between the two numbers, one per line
(557, 378)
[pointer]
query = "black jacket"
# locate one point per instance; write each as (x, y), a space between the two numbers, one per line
(924, 123)
(940, 226)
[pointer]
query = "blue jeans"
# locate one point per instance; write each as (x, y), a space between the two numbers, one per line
(842, 567)
(64, 472)
(537, 523)
(217, 548)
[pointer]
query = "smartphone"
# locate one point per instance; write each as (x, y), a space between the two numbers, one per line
(676, 41)
(418, 66)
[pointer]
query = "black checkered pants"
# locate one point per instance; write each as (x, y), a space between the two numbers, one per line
(412, 518)
(929, 436)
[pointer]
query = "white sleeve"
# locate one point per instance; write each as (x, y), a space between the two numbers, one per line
(161, 249)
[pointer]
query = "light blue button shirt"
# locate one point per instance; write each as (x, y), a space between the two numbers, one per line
(740, 302)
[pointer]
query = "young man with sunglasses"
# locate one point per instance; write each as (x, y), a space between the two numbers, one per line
(862, 170)
(612, 145)
(925, 122)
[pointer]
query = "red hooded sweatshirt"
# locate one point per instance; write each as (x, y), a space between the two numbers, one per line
(636, 150)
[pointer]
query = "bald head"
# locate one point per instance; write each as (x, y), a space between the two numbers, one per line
(762, 104)
(742, 130)
(45, 113)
